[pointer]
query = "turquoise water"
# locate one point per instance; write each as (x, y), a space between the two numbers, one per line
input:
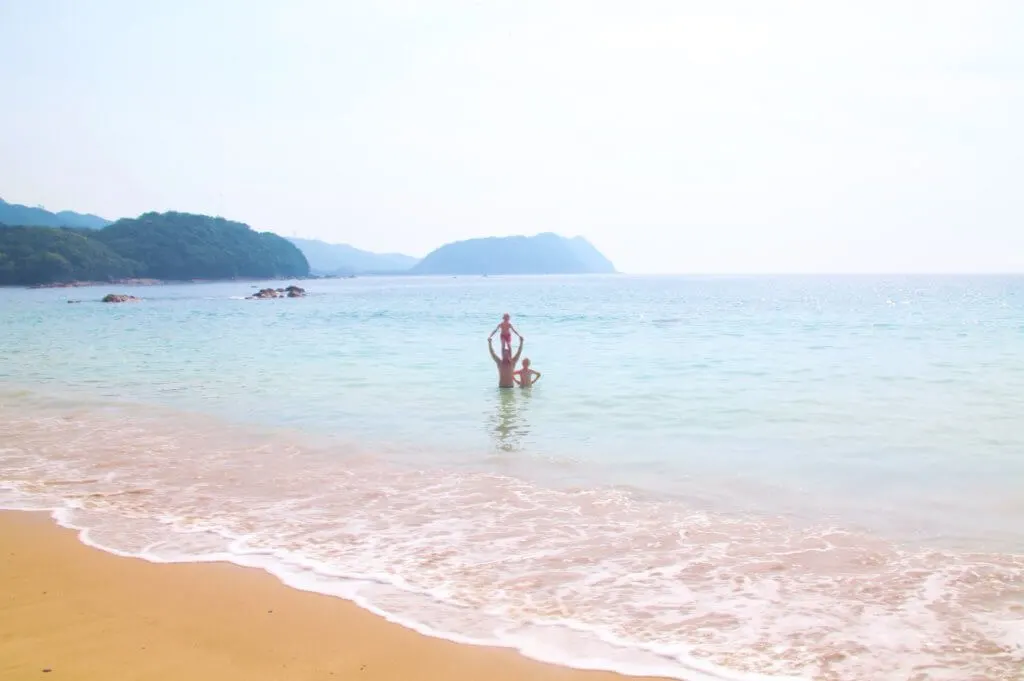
(847, 430)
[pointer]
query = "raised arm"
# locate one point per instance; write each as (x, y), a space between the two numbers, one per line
(519, 351)
(494, 332)
(490, 347)
(516, 332)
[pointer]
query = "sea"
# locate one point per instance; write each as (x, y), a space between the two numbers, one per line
(716, 478)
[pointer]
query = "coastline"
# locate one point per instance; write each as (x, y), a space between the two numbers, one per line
(167, 282)
(89, 615)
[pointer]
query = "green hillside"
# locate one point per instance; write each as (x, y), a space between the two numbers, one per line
(184, 246)
(44, 255)
(169, 246)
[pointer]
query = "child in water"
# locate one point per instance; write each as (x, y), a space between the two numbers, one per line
(506, 328)
(526, 376)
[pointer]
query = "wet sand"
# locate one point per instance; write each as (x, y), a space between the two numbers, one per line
(87, 615)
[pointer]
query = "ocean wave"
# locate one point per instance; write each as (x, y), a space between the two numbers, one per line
(594, 578)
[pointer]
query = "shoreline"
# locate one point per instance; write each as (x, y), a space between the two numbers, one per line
(326, 277)
(90, 615)
(164, 282)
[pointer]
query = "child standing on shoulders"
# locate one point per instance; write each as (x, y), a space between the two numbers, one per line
(506, 328)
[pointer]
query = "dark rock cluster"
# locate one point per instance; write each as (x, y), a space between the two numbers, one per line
(119, 298)
(288, 292)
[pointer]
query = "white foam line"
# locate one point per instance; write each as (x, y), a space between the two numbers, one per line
(673, 668)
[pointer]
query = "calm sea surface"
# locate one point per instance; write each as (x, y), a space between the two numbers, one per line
(716, 478)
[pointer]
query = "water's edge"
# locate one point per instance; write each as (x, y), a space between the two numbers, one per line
(529, 649)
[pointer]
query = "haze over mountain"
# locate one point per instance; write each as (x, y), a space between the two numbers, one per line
(325, 258)
(545, 253)
(176, 245)
(29, 216)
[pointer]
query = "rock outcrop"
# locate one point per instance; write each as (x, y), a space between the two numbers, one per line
(119, 298)
(289, 292)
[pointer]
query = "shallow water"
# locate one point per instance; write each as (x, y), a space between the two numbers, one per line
(715, 478)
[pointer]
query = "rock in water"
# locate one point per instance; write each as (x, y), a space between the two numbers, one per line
(289, 292)
(119, 298)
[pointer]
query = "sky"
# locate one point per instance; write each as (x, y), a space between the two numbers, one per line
(719, 136)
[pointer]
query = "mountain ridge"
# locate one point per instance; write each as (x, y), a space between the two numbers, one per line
(543, 253)
(327, 258)
(37, 216)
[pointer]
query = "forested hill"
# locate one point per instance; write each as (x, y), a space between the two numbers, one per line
(185, 246)
(46, 255)
(168, 246)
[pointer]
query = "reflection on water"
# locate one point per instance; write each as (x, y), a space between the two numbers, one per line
(510, 425)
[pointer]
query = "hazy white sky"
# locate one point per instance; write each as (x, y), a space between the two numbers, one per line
(677, 136)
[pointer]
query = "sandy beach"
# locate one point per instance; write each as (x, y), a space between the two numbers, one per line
(69, 611)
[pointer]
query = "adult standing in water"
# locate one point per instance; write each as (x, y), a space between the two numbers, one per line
(506, 363)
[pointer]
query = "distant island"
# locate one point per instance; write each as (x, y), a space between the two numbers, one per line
(17, 214)
(165, 246)
(327, 259)
(541, 254)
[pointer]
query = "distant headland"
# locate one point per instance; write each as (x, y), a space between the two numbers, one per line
(41, 248)
(542, 254)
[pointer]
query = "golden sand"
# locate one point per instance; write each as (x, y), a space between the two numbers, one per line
(86, 615)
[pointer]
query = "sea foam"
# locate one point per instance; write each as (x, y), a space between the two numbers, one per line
(589, 577)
